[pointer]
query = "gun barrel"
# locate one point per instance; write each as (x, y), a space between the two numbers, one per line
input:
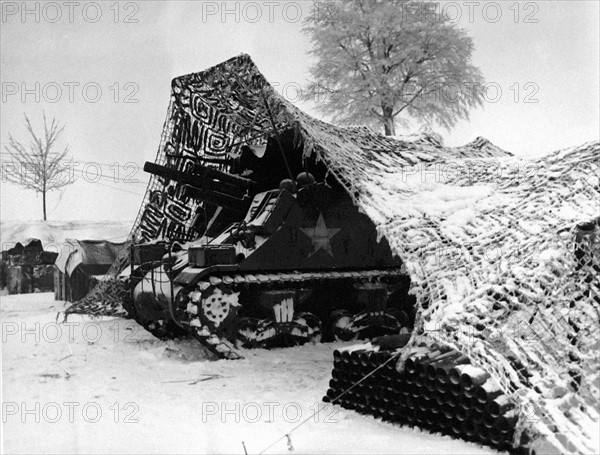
(240, 205)
(201, 175)
(214, 187)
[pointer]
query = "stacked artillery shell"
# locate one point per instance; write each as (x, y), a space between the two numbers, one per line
(438, 390)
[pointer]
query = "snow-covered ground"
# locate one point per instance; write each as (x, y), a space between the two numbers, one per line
(53, 233)
(101, 386)
(106, 386)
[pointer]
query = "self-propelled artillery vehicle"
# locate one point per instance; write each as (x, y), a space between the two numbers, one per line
(283, 256)
(242, 248)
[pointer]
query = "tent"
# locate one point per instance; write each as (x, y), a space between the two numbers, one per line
(27, 268)
(81, 264)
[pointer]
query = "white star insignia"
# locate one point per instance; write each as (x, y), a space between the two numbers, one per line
(321, 236)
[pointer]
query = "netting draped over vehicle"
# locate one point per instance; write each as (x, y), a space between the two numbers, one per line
(500, 268)
(504, 274)
(211, 114)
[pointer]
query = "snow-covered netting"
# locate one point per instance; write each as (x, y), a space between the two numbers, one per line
(503, 256)
(488, 239)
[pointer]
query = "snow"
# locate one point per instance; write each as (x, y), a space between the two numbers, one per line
(548, 256)
(169, 398)
(54, 233)
(472, 371)
(449, 199)
(428, 195)
(460, 218)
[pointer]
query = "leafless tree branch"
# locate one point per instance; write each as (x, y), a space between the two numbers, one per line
(38, 168)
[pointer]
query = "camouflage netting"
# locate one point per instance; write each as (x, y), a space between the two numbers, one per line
(503, 274)
(499, 267)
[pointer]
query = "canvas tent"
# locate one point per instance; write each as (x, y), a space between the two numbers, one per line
(81, 264)
(26, 268)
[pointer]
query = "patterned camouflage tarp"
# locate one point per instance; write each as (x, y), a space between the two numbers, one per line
(500, 270)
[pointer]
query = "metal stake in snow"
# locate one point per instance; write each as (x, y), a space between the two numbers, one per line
(289, 443)
(333, 400)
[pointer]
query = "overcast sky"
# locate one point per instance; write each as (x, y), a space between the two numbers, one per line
(104, 70)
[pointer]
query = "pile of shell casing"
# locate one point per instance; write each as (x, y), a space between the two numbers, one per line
(438, 390)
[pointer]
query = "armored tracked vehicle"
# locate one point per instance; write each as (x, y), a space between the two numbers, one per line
(283, 256)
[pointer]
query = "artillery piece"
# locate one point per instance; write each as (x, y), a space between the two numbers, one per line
(277, 261)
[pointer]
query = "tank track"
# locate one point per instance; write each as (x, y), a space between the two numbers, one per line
(296, 277)
(214, 336)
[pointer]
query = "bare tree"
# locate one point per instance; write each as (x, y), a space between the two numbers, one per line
(38, 167)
